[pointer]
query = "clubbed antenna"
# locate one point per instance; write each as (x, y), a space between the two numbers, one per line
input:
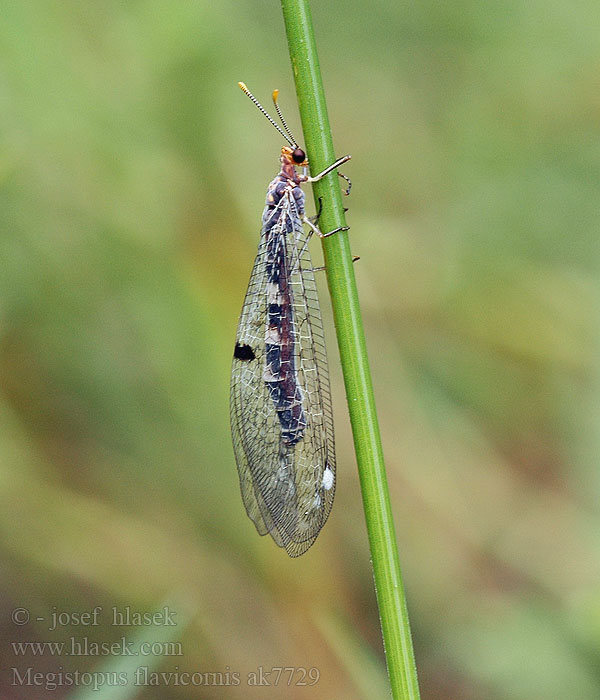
(285, 126)
(264, 111)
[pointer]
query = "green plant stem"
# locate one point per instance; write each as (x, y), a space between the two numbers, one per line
(351, 341)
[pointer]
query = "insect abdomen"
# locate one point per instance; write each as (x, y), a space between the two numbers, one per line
(280, 342)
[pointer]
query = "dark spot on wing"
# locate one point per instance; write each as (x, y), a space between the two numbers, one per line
(244, 352)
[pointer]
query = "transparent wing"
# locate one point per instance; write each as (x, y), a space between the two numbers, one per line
(287, 489)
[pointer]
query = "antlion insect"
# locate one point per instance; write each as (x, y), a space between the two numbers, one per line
(281, 417)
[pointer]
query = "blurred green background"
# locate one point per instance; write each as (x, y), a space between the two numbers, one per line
(132, 180)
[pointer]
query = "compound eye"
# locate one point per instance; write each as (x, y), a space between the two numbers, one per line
(298, 155)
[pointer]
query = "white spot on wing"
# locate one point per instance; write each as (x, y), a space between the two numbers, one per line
(327, 482)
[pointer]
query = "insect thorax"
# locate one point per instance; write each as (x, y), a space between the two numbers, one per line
(276, 189)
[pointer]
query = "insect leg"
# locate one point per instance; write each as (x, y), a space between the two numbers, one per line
(333, 166)
(346, 192)
(318, 231)
(315, 219)
(329, 168)
(315, 229)
(321, 268)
